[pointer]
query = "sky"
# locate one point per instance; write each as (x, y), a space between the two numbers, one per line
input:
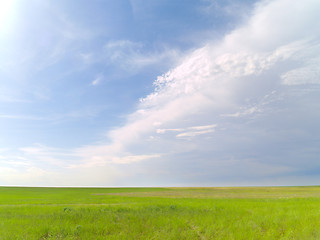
(159, 93)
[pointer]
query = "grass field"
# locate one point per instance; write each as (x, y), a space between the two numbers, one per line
(160, 213)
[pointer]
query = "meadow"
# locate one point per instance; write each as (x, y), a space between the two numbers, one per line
(160, 213)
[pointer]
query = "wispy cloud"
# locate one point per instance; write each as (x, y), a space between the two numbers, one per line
(42, 155)
(307, 74)
(38, 50)
(58, 118)
(133, 56)
(245, 112)
(21, 117)
(97, 80)
(190, 131)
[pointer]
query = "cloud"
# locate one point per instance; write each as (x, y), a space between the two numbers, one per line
(88, 112)
(21, 117)
(97, 80)
(246, 73)
(245, 112)
(194, 133)
(134, 158)
(41, 155)
(34, 48)
(257, 85)
(307, 74)
(86, 58)
(190, 131)
(133, 56)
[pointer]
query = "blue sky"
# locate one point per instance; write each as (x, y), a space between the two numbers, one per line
(159, 93)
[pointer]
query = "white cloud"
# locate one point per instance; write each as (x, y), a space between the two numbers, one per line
(31, 49)
(307, 74)
(241, 74)
(251, 85)
(86, 58)
(161, 130)
(133, 56)
(245, 112)
(134, 158)
(97, 80)
(24, 117)
(41, 155)
(194, 133)
(190, 131)
(87, 112)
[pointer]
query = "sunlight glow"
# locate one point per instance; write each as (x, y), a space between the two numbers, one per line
(5, 7)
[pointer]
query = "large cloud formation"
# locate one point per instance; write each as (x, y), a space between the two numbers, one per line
(241, 111)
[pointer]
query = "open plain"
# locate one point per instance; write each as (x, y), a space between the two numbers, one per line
(160, 213)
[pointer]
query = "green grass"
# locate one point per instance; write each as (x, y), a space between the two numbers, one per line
(160, 213)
